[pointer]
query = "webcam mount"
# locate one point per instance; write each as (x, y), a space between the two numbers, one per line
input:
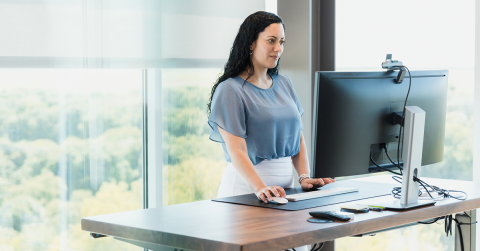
(392, 65)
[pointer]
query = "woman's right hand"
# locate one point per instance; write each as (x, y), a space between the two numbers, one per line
(265, 194)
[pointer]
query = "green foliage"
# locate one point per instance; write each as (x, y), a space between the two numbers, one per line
(182, 121)
(37, 206)
(40, 210)
(185, 97)
(185, 111)
(33, 114)
(29, 115)
(458, 152)
(27, 202)
(37, 155)
(193, 180)
(193, 164)
(122, 152)
(120, 195)
(178, 149)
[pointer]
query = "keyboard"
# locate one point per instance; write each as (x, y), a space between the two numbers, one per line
(320, 193)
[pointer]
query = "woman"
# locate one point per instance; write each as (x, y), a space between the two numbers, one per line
(256, 115)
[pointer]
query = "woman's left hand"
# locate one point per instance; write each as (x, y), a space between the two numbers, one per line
(312, 183)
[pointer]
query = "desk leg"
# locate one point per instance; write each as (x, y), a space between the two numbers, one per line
(329, 246)
(468, 231)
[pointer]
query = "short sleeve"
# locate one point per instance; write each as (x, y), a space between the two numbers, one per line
(299, 106)
(227, 112)
(295, 98)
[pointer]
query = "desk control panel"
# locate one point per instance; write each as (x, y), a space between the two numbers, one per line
(320, 193)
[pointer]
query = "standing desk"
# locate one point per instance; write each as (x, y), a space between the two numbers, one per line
(208, 225)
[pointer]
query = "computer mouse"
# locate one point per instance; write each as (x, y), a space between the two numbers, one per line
(278, 200)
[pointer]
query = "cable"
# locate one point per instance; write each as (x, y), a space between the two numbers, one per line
(401, 137)
(448, 226)
(403, 117)
(441, 222)
(397, 191)
(430, 222)
(435, 198)
(320, 246)
(388, 156)
(442, 192)
(423, 185)
(373, 161)
(459, 233)
(460, 230)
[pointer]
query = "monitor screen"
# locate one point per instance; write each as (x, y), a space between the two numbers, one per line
(352, 119)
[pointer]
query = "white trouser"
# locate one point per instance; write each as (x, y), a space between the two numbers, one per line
(276, 172)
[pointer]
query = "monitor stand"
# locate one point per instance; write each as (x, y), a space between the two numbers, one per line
(414, 125)
(397, 206)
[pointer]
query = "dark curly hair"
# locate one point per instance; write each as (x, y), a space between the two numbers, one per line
(239, 59)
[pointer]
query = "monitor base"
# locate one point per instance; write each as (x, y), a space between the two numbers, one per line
(397, 206)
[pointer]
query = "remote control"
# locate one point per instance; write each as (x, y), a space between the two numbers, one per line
(329, 215)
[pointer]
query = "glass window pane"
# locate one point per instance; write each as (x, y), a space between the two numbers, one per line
(424, 39)
(423, 35)
(199, 37)
(79, 132)
(71, 145)
(193, 165)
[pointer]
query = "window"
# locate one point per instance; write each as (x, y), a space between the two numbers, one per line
(423, 35)
(196, 41)
(71, 145)
(193, 165)
(83, 85)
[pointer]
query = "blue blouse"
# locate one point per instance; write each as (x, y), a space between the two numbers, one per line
(268, 119)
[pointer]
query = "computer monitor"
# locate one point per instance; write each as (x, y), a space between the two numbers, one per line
(352, 119)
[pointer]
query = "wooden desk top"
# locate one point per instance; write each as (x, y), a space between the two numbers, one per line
(208, 225)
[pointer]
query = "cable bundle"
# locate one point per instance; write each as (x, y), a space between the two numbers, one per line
(448, 226)
(442, 193)
(320, 246)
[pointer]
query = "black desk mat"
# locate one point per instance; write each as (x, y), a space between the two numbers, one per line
(365, 190)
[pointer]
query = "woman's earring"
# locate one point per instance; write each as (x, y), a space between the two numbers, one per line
(251, 52)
